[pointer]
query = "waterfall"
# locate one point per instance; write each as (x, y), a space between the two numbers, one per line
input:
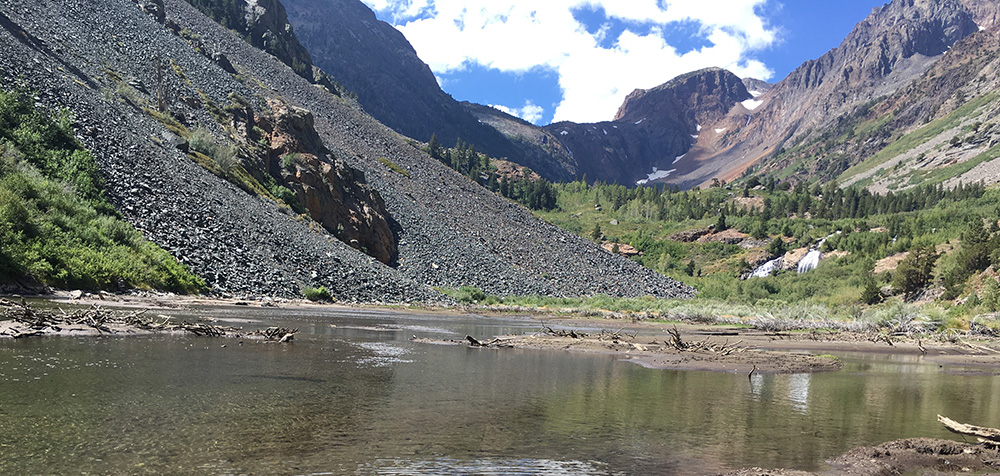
(767, 269)
(809, 261)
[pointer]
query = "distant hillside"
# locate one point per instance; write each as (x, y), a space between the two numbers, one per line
(939, 128)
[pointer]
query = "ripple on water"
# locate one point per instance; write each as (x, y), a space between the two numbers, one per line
(488, 466)
(384, 354)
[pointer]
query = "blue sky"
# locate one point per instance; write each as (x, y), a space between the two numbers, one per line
(575, 60)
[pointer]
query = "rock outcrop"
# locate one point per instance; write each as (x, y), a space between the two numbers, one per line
(265, 25)
(333, 193)
(653, 128)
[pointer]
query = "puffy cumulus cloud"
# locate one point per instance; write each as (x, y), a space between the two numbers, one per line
(595, 71)
(529, 112)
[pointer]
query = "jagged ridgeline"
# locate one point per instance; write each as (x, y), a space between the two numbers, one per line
(56, 228)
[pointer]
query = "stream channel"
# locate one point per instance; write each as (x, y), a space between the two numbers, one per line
(353, 395)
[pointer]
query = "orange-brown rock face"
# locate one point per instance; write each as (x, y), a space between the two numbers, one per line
(333, 193)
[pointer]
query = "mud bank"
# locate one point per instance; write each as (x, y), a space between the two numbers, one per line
(909, 456)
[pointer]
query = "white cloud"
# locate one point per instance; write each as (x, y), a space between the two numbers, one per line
(519, 35)
(529, 112)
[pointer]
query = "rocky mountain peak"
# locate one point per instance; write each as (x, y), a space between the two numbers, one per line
(703, 96)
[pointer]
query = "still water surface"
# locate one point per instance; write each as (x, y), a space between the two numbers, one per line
(353, 395)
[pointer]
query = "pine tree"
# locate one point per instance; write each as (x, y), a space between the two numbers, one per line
(596, 233)
(433, 148)
(721, 224)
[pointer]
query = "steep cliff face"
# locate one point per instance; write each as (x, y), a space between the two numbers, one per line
(264, 23)
(940, 128)
(703, 96)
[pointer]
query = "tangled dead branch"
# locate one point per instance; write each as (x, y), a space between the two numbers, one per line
(492, 343)
(617, 336)
(705, 345)
(561, 333)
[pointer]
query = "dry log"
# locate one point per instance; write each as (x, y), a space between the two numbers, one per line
(474, 342)
(985, 435)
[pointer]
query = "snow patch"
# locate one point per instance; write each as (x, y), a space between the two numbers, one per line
(698, 128)
(981, 27)
(720, 131)
(656, 175)
(694, 136)
(755, 93)
(564, 133)
(640, 121)
(605, 131)
(678, 159)
(752, 104)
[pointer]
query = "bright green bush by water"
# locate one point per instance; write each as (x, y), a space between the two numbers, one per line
(56, 228)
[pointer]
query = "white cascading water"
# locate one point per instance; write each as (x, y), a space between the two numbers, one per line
(810, 261)
(766, 269)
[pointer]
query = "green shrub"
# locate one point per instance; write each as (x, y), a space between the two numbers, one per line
(202, 141)
(55, 226)
(394, 167)
(470, 295)
(290, 161)
(320, 294)
(226, 157)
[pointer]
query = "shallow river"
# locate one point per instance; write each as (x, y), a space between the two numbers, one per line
(353, 395)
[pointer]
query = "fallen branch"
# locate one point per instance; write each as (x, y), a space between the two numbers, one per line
(989, 436)
(703, 346)
(492, 343)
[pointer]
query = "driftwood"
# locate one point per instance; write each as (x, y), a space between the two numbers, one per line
(988, 436)
(570, 333)
(278, 334)
(34, 322)
(680, 344)
(492, 343)
(617, 335)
